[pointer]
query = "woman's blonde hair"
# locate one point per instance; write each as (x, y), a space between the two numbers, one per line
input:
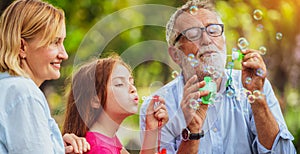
(26, 19)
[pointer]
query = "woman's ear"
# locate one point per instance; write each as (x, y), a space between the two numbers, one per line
(23, 48)
(173, 52)
(95, 103)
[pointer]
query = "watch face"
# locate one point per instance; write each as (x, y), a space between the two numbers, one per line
(185, 134)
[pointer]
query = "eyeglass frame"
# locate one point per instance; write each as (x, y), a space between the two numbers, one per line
(202, 29)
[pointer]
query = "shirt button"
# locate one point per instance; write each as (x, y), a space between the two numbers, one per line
(215, 129)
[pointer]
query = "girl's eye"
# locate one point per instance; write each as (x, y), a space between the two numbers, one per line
(119, 85)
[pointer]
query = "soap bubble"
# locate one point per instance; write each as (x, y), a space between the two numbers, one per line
(216, 75)
(248, 92)
(191, 57)
(260, 27)
(174, 74)
(248, 80)
(278, 36)
(234, 50)
(251, 98)
(230, 93)
(257, 14)
(218, 98)
(230, 65)
(257, 93)
(193, 10)
(199, 100)
(259, 72)
(210, 69)
(154, 86)
(262, 50)
(194, 62)
(242, 94)
(144, 98)
(194, 104)
(243, 43)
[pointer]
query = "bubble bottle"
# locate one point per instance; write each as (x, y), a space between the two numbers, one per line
(210, 86)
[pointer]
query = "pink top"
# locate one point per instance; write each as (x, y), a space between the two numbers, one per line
(101, 144)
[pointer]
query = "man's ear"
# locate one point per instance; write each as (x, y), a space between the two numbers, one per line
(173, 52)
(23, 48)
(95, 103)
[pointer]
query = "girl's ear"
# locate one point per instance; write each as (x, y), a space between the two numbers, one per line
(95, 103)
(173, 52)
(23, 48)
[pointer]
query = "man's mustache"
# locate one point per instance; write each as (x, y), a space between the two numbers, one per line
(207, 50)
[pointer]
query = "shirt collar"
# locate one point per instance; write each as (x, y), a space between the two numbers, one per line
(4, 75)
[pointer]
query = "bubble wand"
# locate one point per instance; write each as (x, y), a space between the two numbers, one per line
(163, 151)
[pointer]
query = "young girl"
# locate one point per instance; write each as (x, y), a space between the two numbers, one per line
(102, 95)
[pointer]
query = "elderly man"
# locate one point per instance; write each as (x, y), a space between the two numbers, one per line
(234, 123)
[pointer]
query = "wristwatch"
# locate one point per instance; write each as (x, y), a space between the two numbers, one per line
(187, 135)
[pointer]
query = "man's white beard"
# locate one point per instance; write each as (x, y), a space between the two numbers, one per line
(212, 61)
(212, 65)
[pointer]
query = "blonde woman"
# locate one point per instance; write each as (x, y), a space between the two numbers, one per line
(32, 33)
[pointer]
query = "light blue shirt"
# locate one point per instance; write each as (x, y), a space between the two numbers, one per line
(229, 126)
(26, 125)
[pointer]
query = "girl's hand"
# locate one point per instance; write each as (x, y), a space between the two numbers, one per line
(156, 111)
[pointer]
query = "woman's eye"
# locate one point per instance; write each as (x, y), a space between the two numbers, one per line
(56, 42)
(119, 85)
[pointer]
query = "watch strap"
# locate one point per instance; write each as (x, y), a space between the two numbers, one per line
(196, 136)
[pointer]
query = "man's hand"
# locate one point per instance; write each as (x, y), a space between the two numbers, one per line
(254, 68)
(75, 144)
(194, 118)
(266, 125)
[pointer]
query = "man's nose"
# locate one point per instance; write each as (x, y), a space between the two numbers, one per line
(205, 39)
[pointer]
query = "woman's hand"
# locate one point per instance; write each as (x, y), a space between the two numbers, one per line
(75, 144)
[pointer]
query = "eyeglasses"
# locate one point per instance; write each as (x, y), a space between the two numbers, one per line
(195, 33)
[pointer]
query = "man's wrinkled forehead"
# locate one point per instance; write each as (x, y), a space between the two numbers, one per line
(203, 18)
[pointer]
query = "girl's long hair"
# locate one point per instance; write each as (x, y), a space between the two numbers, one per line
(89, 85)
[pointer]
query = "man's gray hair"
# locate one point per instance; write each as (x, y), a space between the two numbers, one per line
(170, 33)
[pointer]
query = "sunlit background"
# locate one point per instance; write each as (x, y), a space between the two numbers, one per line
(269, 25)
